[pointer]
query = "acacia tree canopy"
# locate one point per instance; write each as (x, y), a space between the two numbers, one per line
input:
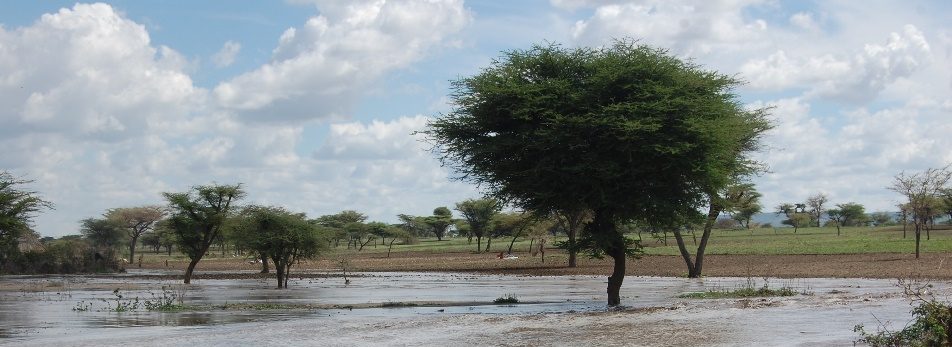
(197, 217)
(628, 131)
(283, 236)
(17, 208)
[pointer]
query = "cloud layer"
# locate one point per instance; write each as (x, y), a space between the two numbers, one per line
(101, 116)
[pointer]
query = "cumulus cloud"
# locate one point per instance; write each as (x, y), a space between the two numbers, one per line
(101, 117)
(319, 69)
(856, 78)
(226, 56)
(90, 73)
(690, 28)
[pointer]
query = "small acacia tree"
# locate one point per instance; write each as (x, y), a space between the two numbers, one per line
(921, 189)
(817, 203)
(743, 202)
(103, 234)
(284, 236)
(627, 131)
(479, 214)
(136, 221)
(846, 215)
(440, 221)
(197, 217)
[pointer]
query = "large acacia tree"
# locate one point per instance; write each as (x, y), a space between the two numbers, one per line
(628, 132)
(197, 217)
(17, 209)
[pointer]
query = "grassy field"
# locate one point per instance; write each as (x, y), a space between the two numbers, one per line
(853, 240)
(762, 241)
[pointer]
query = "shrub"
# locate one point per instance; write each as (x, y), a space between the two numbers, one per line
(931, 326)
(507, 299)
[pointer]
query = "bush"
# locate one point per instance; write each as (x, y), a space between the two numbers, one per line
(63, 256)
(725, 223)
(931, 326)
(507, 299)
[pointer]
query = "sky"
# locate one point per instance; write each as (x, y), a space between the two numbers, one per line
(312, 105)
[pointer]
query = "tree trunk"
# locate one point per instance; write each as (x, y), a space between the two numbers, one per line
(685, 255)
(362, 244)
(512, 243)
(287, 273)
(190, 269)
(489, 241)
(603, 224)
(837, 229)
(918, 233)
(573, 253)
(264, 264)
(279, 267)
(132, 249)
(617, 277)
(479, 244)
(391, 246)
(531, 241)
(542, 249)
(712, 213)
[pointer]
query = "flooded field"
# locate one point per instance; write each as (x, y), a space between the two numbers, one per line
(432, 308)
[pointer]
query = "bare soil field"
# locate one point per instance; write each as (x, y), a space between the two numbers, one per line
(871, 265)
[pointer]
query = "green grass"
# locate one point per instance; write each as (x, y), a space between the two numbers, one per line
(740, 293)
(770, 241)
(761, 241)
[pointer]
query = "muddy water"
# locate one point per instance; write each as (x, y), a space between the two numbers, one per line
(566, 310)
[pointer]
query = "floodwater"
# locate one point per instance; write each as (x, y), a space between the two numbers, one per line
(563, 310)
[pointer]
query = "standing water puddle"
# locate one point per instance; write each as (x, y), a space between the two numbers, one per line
(40, 310)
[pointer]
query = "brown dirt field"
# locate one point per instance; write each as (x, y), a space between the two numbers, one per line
(876, 265)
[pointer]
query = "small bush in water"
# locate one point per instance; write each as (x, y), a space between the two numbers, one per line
(507, 299)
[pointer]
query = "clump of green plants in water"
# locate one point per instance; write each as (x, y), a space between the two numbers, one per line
(750, 290)
(122, 305)
(931, 323)
(507, 299)
(740, 293)
(169, 300)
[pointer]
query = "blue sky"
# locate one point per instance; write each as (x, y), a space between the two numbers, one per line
(311, 104)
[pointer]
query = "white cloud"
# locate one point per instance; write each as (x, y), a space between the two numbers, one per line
(855, 157)
(226, 56)
(690, 28)
(857, 78)
(320, 69)
(804, 21)
(89, 73)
